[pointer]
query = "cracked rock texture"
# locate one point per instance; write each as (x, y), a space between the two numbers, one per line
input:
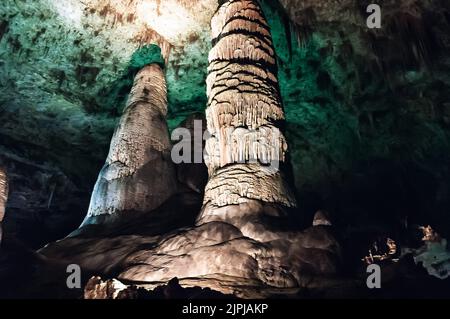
(138, 175)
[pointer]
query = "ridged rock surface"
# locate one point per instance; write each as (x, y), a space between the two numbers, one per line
(363, 112)
(138, 175)
(244, 111)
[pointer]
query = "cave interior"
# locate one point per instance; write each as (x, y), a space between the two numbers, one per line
(362, 117)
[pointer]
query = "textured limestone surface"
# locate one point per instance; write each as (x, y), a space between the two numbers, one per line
(139, 174)
(96, 288)
(244, 112)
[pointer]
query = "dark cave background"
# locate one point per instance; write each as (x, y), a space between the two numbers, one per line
(368, 111)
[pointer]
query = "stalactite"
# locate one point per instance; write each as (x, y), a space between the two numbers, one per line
(138, 175)
(244, 111)
(3, 197)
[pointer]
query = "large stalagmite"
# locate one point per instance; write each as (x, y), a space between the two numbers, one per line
(3, 197)
(246, 151)
(244, 111)
(138, 175)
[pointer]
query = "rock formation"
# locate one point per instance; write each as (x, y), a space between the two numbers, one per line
(239, 234)
(434, 255)
(138, 175)
(247, 149)
(244, 111)
(3, 197)
(243, 242)
(356, 148)
(96, 288)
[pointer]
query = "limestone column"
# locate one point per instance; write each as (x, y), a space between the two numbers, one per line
(246, 151)
(138, 175)
(3, 197)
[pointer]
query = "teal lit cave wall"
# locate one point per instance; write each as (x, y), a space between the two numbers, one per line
(322, 136)
(367, 144)
(359, 138)
(186, 83)
(116, 95)
(186, 80)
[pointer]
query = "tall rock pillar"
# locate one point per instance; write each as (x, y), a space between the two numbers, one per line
(246, 151)
(138, 175)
